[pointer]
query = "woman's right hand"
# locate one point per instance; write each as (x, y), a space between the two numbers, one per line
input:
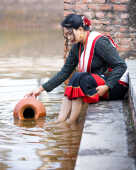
(35, 93)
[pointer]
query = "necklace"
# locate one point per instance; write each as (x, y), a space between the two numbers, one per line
(79, 54)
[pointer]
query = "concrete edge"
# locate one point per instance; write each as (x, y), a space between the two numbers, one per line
(132, 92)
(131, 63)
(132, 98)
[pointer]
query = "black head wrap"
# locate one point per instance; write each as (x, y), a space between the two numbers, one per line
(75, 21)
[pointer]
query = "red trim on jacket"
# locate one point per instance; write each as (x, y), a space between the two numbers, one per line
(100, 81)
(123, 83)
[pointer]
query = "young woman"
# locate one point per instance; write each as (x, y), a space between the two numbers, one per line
(94, 54)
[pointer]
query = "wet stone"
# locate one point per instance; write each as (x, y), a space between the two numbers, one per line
(105, 163)
(104, 140)
(132, 86)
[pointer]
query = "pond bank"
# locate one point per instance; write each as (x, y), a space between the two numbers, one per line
(105, 138)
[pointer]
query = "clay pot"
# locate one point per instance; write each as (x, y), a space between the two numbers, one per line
(29, 108)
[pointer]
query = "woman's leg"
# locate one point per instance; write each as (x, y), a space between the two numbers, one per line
(65, 109)
(76, 108)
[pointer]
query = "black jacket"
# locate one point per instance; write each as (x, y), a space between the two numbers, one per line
(105, 56)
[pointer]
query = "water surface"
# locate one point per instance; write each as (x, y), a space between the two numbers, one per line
(26, 61)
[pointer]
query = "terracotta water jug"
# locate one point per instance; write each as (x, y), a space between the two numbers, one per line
(29, 108)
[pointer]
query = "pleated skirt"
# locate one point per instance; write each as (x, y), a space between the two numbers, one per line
(83, 85)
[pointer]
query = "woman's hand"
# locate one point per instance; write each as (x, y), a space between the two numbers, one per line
(101, 90)
(35, 93)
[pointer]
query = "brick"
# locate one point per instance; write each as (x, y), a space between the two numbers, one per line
(67, 6)
(123, 29)
(108, 28)
(125, 41)
(67, 12)
(105, 22)
(93, 7)
(99, 1)
(131, 29)
(109, 15)
(67, 1)
(99, 14)
(121, 35)
(120, 7)
(124, 49)
(106, 7)
(89, 14)
(132, 35)
(89, 1)
(99, 7)
(124, 22)
(80, 6)
(85, 1)
(124, 15)
(120, 1)
(117, 21)
(98, 27)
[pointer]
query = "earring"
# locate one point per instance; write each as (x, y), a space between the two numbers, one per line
(81, 36)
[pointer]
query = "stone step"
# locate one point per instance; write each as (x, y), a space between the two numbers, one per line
(104, 139)
(104, 142)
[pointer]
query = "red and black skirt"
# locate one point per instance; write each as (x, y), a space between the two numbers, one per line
(83, 85)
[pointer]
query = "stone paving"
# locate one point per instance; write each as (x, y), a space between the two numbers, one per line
(104, 142)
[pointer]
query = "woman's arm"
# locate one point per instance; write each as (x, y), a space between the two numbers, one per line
(108, 52)
(64, 73)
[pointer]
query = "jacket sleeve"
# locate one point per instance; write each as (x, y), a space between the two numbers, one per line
(108, 52)
(64, 73)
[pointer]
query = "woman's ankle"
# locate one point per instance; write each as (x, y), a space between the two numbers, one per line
(60, 120)
(70, 121)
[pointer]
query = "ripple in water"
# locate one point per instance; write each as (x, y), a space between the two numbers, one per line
(34, 144)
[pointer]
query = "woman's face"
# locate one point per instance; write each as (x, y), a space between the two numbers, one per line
(73, 35)
(69, 34)
(78, 35)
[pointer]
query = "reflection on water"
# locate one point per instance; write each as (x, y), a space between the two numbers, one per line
(34, 43)
(33, 144)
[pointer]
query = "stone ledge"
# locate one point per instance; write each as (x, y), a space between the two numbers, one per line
(132, 88)
(104, 140)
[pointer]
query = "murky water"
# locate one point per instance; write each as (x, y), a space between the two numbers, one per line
(27, 60)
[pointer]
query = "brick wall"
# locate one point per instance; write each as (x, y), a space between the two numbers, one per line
(108, 16)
